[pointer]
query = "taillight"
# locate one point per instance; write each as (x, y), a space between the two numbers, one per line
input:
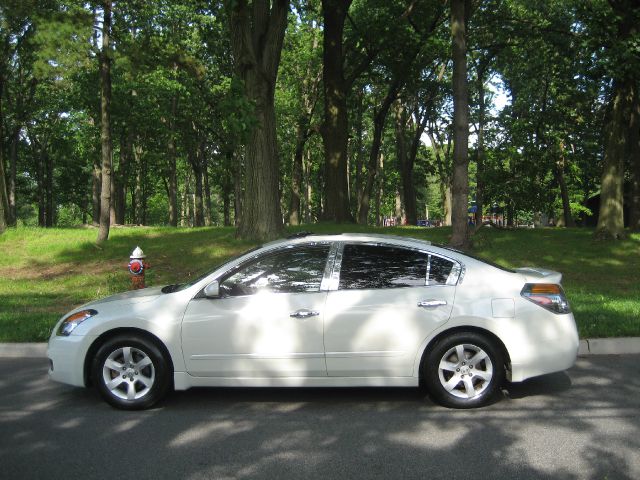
(547, 295)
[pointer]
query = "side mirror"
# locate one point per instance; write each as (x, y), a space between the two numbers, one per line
(212, 290)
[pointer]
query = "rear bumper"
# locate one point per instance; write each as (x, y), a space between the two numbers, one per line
(551, 347)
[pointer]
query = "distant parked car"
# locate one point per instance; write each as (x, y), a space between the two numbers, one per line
(324, 310)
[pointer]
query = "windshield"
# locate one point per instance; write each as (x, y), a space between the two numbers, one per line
(181, 286)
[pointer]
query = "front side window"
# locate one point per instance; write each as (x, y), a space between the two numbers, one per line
(291, 270)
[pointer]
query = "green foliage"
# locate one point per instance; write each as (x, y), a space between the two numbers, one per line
(44, 273)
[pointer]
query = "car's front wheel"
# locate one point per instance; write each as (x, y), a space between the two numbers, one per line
(464, 370)
(130, 372)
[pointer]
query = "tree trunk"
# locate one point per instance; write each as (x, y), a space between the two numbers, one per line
(335, 127)
(139, 185)
(379, 120)
(195, 159)
(564, 193)
(358, 153)
(257, 35)
(207, 189)
(406, 159)
(480, 148)
(611, 217)
(460, 187)
(123, 174)
(96, 183)
(4, 200)
(105, 124)
(237, 190)
(49, 204)
(634, 154)
(172, 180)
(296, 172)
(13, 168)
(308, 195)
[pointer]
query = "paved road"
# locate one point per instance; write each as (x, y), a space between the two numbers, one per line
(583, 424)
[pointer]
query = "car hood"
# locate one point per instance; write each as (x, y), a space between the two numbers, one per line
(134, 296)
(540, 275)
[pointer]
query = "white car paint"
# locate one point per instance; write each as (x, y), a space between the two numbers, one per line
(358, 338)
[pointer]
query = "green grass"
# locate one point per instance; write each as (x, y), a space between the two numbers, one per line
(44, 273)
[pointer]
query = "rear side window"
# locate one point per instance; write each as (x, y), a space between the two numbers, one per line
(379, 266)
(439, 270)
(375, 266)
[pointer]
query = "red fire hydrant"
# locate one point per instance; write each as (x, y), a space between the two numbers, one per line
(137, 266)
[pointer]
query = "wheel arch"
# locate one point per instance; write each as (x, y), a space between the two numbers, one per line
(463, 329)
(108, 335)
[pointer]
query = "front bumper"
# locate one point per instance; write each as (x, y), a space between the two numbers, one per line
(66, 358)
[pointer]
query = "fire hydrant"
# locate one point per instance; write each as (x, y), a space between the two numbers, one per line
(137, 266)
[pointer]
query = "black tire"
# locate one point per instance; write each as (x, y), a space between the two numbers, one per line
(130, 372)
(460, 383)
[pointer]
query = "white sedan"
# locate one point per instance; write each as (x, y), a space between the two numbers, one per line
(324, 310)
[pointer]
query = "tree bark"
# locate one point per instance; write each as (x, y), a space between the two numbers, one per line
(379, 120)
(4, 200)
(205, 181)
(296, 171)
(13, 168)
(123, 174)
(172, 180)
(407, 154)
(138, 203)
(564, 192)
(335, 127)
(257, 35)
(195, 159)
(611, 217)
(105, 124)
(634, 154)
(49, 203)
(480, 153)
(460, 187)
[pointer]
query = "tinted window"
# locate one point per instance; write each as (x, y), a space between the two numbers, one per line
(292, 270)
(372, 266)
(439, 270)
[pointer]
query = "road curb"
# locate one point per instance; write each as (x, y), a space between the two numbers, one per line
(16, 350)
(593, 346)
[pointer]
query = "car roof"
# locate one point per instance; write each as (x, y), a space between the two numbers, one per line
(346, 237)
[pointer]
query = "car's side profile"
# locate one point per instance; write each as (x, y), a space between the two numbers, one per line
(324, 310)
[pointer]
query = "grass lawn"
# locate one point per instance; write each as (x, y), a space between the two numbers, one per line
(46, 272)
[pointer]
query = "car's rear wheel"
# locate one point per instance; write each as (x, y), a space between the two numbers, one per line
(464, 370)
(130, 372)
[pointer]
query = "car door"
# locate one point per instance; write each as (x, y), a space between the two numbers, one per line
(267, 322)
(388, 300)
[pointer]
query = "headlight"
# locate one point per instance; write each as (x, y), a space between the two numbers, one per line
(70, 323)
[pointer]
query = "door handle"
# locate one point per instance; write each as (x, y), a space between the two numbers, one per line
(432, 303)
(304, 313)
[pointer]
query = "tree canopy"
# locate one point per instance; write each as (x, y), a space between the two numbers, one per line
(263, 113)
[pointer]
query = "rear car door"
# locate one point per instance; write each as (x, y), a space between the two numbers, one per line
(388, 300)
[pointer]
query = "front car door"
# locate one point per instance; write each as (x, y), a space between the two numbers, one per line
(388, 300)
(268, 321)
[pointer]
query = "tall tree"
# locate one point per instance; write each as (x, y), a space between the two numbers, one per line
(335, 127)
(257, 34)
(626, 15)
(460, 187)
(105, 123)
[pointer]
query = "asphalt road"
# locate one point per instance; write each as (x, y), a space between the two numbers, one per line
(582, 424)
